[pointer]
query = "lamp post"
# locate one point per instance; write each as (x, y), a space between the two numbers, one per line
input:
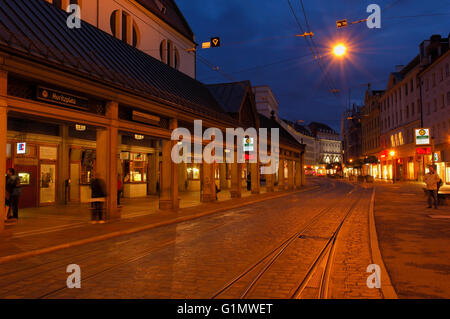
(394, 170)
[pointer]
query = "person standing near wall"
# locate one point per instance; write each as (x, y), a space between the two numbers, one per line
(14, 191)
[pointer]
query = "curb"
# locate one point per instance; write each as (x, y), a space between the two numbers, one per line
(81, 242)
(387, 290)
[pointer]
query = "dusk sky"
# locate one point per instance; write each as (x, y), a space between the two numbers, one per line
(259, 44)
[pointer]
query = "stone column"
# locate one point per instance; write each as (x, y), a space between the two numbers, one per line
(153, 168)
(290, 175)
(3, 136)
(107, 157)
(281, 179)
(169, 174)
(270, 179)
(298, 174)
(223, 176)
(63, 162)
(182, 177)
(236, 179)
(208, 183)
(255, 176)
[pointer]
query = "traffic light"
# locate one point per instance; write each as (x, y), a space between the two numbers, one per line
(341, 23)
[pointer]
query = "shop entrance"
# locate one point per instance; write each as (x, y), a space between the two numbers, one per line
(28, 181)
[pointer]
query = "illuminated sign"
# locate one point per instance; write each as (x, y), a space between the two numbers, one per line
(215, 42)
(58, 97)
(436, 157)
(422, 136)
(423, 150)
(248, 144)
(21, 148)
(206, 45)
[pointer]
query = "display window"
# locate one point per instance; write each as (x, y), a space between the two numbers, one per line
(193, 171)
(135, 169)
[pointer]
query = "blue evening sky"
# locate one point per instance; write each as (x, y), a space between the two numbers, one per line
(259, 44)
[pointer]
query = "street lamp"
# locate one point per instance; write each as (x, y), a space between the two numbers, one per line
(339, 50)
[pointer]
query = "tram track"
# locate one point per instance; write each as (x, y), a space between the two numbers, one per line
(265, 263)
(57, 264)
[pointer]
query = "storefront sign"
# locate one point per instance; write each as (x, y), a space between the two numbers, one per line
(423, 150)
(248, 144)
(422, 136)
(21, 148)
(145, 118)
(53, 96)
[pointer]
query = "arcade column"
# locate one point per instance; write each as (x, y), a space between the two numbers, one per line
(169, 174)
(3, 134)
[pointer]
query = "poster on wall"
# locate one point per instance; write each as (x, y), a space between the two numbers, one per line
(48, 153)
(47, 183)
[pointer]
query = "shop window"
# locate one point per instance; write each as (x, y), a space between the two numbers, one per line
(135, 169)
(87, 166)
(193, 172)
(24, 178)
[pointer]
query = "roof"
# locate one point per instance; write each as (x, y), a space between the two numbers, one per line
(36, 30)
(230, 95)
(316, 126)
(171, 15)
(285, 136)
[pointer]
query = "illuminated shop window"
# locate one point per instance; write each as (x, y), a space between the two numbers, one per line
(193, 171)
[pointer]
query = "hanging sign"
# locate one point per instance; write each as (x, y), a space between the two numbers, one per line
(58, 97)
(422, 136)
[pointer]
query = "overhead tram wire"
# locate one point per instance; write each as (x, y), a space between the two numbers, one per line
(312, 39)
(331, 88)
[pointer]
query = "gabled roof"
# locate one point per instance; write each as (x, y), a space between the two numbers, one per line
(230, 95)
(321, 127)
(171, 14)
(285, 137)
(36, 30)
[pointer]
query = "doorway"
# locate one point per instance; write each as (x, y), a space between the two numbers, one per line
(28, 181)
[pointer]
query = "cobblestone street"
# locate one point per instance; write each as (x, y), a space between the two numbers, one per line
(197, 258)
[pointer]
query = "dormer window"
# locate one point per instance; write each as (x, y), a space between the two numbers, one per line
(169, 54)
(124, 28)
(160, 6)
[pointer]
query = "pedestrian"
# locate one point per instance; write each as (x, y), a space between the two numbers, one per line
(119, 188)
(217, 191)
(98, 188)
(14, 191)
(249, 181)
(432, 179)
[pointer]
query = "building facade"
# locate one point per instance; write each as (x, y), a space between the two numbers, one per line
(155, 27)
(370, 129)
(72, 108)
(435, 54)
(352, 140)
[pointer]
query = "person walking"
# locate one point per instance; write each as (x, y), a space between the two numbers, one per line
(14, 191)
(98, 188)
(432, 179)
(119, 188)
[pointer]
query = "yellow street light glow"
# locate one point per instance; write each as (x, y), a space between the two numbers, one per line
(339, 50)
(392, 153)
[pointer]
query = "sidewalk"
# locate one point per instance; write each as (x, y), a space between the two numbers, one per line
(414, 240)
(17, 243)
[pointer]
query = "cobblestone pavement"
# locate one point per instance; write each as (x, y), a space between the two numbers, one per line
(414, 241)
(194, 259)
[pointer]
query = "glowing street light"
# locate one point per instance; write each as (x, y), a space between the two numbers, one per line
(392, 153)
(339, 50)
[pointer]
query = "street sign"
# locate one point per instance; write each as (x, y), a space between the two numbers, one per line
(215, 42)
(248, 144)
(422, 136)
(341, 23)
(21, 148)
